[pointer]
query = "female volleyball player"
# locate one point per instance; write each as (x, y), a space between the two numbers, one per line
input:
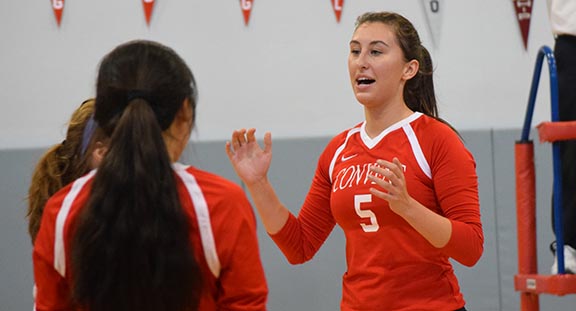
(143, 232)
(63, 163)
(401, 184)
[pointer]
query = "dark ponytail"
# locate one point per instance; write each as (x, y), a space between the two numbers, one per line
(419, 92)
(131, 249)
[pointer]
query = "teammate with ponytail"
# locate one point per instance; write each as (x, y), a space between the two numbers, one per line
(143, 232)
(63, 163)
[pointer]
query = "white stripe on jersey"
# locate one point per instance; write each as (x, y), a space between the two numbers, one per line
(196, 196)
(339, 150)
(204, 225)
(34, 291)
(59, 256)
(417, 150)
(371, 142)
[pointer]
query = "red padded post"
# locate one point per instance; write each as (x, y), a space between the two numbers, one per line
(526, 219)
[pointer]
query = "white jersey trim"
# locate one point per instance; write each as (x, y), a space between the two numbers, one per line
(59, 254)
(417, 150)
(200, 206)
(203, 216)
(371, 142)
(339, 150)
(34, 292)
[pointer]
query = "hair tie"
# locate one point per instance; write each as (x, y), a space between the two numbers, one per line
(134, 94)
(87, 134)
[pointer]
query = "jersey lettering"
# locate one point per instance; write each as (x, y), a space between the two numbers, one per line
(353, 175)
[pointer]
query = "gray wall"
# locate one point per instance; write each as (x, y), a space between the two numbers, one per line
(316, 285)
(290, 61)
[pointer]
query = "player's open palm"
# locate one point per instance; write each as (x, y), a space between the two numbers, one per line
(249, 160)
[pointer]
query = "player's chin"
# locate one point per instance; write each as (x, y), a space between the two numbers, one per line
(364, 98)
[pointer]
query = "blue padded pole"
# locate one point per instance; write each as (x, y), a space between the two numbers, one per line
(556, 161)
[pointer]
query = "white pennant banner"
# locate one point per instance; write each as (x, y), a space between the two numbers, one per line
(433, 10)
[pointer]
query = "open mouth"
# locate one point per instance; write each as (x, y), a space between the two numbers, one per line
(364, 81)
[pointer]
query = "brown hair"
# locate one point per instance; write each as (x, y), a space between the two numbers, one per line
(419, 93)
(131, 248)
(58, 166)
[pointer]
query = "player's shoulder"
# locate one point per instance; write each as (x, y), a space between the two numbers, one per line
(54, 203)
(432, 127)
(437, 137)
(207, 181)
(345, 134)
(225, 199)
(337, 141)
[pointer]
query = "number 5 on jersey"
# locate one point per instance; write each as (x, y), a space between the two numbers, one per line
(366, 198)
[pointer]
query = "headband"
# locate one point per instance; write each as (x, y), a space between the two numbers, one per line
(87, 134)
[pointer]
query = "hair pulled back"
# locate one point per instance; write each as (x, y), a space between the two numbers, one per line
(59, 165)
(131, 249)
(419, 91)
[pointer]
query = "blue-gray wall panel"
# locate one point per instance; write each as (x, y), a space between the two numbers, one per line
(316, 285)
(15, 246)
(481, 281)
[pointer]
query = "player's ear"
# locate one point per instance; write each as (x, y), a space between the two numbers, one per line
(97, 155)
(410, 69)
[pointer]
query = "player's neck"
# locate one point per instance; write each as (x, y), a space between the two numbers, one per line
(379, 119)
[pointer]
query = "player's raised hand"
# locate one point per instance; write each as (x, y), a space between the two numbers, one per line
(249, 160)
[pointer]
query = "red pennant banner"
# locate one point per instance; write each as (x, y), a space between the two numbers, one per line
(246, 6)
(523, 14)
(58, 7)
(148, 8)
(337, 5)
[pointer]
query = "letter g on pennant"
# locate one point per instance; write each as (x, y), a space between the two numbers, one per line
(246, 6)
(58, 7)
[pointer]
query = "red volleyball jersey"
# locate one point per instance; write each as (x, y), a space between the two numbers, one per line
(223, 235)
(390, 266)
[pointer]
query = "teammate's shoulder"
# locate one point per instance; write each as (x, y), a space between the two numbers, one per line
(225, 198)
(207, 178)
(54, 203)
